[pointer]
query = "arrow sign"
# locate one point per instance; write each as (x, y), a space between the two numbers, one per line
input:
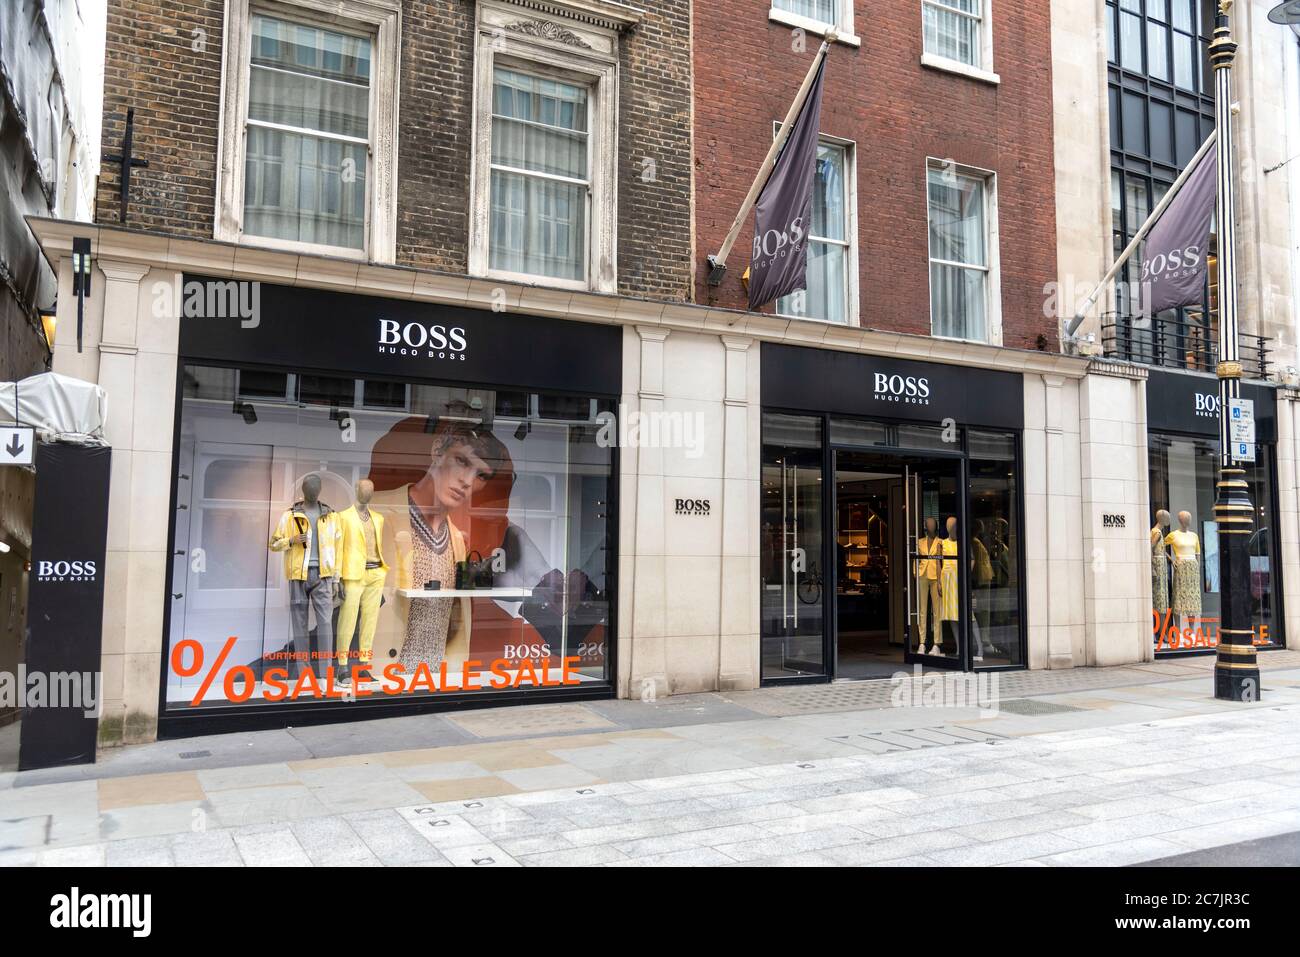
(16, 446)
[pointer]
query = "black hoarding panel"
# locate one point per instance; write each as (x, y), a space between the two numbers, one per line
(65, 605)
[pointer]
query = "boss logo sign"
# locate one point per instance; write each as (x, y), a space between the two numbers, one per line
(1114, 520)
(66, 571)
(913, 390)
(1207, 405)
(417, 339)
(692, 506)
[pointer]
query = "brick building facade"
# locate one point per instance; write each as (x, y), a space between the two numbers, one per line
(897, 112)
(164, 60)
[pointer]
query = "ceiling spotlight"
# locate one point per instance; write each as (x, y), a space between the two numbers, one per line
(246, 410)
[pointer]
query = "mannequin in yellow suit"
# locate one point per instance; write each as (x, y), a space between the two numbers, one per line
(928, 593)
(364, 573)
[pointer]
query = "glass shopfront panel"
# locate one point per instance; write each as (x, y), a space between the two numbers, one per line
(994, 527)
(792, 583)
(382, 538)
(1185, 556)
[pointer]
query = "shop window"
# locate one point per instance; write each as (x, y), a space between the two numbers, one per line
(309, 128)
(994, 574)
(832, 253)
(544, 178)
(1185, 555)
(489, 566)
(956, 33)
(964, 298)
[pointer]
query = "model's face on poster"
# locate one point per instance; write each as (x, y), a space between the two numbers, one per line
(457, 474)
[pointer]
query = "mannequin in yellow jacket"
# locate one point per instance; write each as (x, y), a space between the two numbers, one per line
(363, 574)
(308, 534)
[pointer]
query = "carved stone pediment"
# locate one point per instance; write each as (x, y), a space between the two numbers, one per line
(548, 30)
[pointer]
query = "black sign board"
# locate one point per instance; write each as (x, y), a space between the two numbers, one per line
(244, 322)
(1188, 402)
(849, 383)
(65, 606)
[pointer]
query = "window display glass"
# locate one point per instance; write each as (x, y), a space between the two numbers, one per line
(1185, 571)
(995, 544)
(340, 537)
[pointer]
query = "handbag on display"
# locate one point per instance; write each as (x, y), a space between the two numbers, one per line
(474, 572)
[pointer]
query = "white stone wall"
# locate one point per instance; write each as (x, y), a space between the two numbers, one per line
(129, 348)
(1054, 555)
(1081, 153)
(688, 584)
(1117, 579)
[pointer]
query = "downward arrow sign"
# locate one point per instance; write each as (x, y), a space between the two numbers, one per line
(14, 446)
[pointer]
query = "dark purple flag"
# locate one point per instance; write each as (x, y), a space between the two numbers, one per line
(1174, 255)
(783, 213)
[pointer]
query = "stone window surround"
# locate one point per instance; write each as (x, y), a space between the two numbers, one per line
(382, 20)
(572, 40)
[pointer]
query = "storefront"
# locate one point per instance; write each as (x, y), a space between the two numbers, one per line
(385, 505)
(892, 516)
(1183, 466)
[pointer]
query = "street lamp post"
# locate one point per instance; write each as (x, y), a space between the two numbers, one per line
(1236, 671)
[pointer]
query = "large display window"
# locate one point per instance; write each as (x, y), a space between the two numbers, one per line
(1185, 569)
(341, 538)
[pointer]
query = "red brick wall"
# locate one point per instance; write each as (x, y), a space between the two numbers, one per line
(898, 113)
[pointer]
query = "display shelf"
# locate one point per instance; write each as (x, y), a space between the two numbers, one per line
(516, 594)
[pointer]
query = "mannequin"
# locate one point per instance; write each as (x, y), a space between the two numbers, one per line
(311, 538)
(930, 548)
(1186, 549)
(949, 587)
(1160, 564)
(364, 573)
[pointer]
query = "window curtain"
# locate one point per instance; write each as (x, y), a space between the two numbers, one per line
(307, 183)
(950, 33)
(958, 256)
(540, 177)
(823, 11)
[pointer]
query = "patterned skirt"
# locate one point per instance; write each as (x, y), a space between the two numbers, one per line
(1187, 587)
(1160, 582)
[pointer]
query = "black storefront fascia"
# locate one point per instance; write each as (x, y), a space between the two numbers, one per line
(834, 384)
(1186, 404)
(303, 330)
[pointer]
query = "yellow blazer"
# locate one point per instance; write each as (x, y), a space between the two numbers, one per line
(397, 541)
(354, 542)
(928, 568)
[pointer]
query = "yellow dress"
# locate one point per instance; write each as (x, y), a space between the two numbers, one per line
(1187, 572)
(948, 582)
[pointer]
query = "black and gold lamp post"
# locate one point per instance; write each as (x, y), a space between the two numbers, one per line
(1236, 672)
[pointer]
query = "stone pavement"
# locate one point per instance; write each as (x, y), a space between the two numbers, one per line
(1091, 766)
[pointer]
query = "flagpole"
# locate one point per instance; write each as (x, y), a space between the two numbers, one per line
(1082, 312)
(718, 261)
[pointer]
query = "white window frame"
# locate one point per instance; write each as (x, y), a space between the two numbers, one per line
(380, 20)
(843, 28)
(992, 269)
(851, 315)
(550, 39)
(983, 71)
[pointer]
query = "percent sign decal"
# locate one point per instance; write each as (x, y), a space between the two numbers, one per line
(196, 665)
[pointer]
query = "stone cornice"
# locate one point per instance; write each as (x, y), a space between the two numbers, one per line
(598, 13)
(228, 260)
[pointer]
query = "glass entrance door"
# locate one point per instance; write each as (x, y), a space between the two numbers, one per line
(898, 576)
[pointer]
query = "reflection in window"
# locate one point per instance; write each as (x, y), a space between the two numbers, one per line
(994, 526)
(793, 581)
